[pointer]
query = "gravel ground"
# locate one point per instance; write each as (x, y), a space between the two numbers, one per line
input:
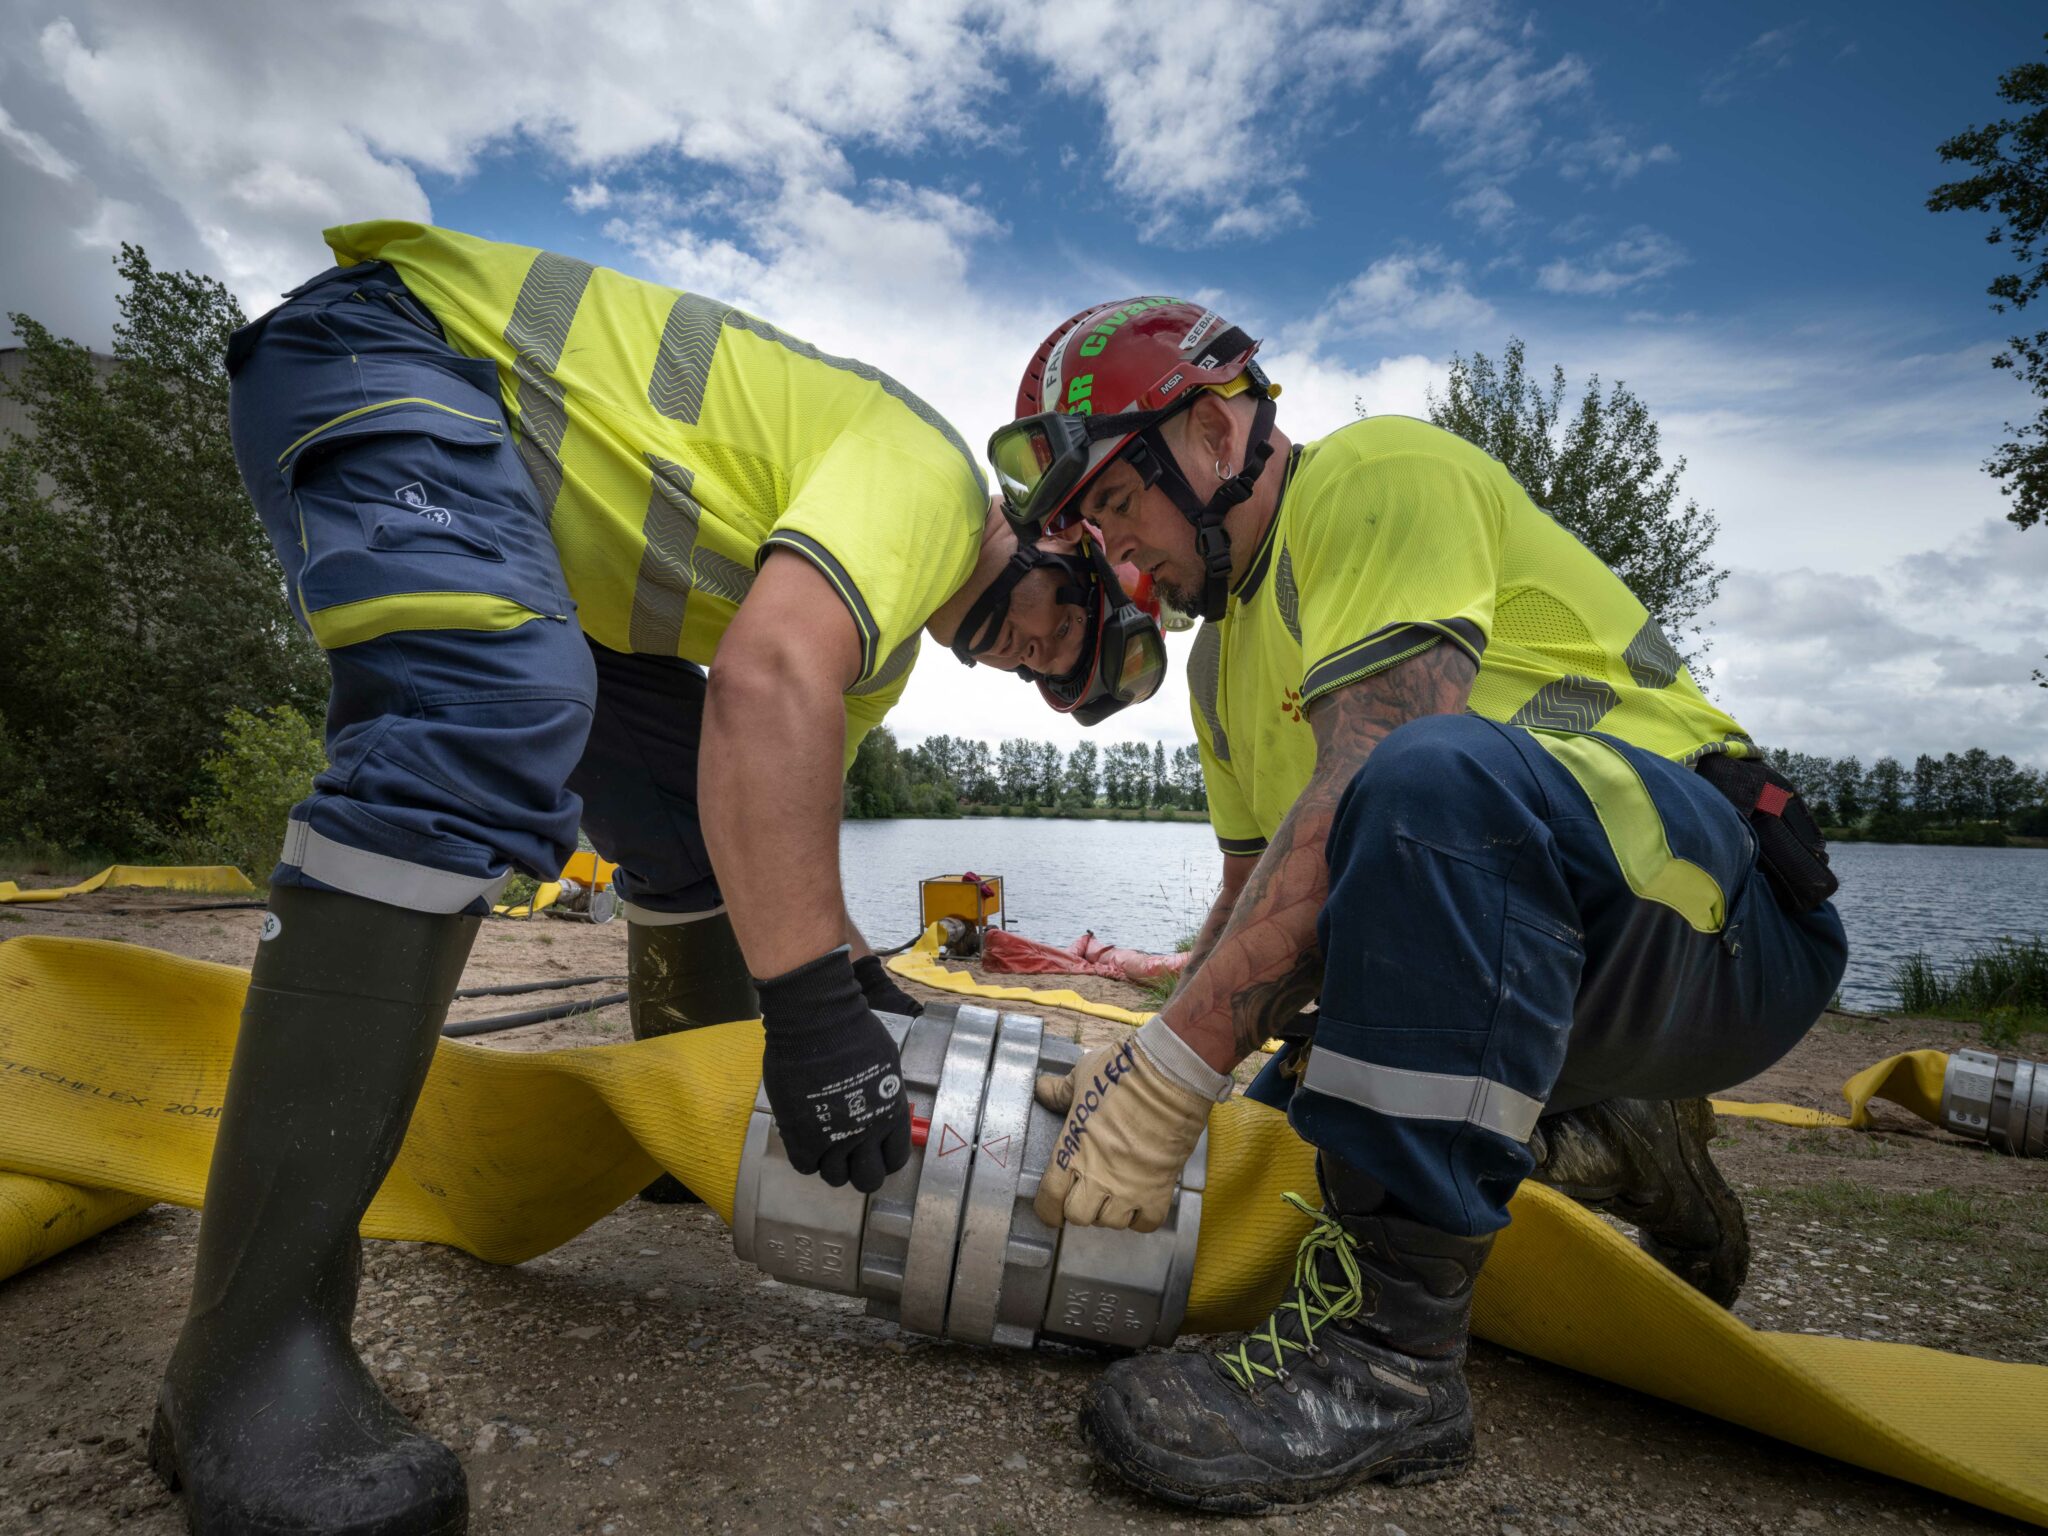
(640, 1379)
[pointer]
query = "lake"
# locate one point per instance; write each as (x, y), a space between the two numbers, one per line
(1148, 884)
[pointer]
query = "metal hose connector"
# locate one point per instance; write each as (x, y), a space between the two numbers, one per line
(949, 1245)
(2002, 1100)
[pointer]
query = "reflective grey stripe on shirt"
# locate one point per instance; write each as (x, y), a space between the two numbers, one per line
(378, 876)
(1410, 1095)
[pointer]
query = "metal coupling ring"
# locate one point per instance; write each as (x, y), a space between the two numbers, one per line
(1999, 1099)
(949, 1245)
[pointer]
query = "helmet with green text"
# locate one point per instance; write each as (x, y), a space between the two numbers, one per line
(1099, 389)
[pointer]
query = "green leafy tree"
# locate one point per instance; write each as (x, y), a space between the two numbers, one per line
(263, 767)
(2010, 161)
(1162, 788)
(977, 774)
(1885, 786)
(142, 601)
(1189, 790)
(876, 785)
(1599, 469)
(1016, 768)
(1047, 778)
(1079, 783)
(1845, 790)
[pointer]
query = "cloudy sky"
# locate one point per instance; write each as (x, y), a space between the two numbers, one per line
(1721, 205)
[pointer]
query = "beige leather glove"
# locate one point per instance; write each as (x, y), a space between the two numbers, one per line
(1134, 1112)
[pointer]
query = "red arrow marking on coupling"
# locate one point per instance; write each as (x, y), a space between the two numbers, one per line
(950, 1141)
(998, 1147)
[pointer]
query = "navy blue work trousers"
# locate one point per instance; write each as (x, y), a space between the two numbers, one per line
(1525, 922)
(471, 728)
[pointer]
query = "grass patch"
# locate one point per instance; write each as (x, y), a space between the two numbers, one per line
(1976, 1222)
(1838, 1144)
(2004, 987)
(48, 861)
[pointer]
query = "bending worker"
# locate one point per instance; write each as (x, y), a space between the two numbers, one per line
(521, 502)
(1475, 805)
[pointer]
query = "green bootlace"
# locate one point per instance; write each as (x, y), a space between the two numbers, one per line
(1312, 1301)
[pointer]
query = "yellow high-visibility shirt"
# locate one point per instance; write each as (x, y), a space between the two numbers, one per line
(675, 440)
(1393, 536)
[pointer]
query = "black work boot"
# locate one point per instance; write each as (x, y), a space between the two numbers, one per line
(1646, 1161)
(1359, 1373)
(267, 1421)
(684, 976)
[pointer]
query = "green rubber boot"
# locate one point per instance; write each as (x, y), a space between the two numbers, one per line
(267, 1421)
(684, 976)
(1646, 1161)
(1358, 1374)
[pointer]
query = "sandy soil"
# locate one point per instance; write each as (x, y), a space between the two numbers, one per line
(640, 1379)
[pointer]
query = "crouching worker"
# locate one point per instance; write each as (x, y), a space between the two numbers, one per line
(1474, 803)
(523, 503)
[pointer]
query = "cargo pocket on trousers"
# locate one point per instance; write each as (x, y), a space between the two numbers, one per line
(415, 517)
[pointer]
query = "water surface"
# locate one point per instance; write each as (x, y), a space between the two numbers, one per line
(1148, 884)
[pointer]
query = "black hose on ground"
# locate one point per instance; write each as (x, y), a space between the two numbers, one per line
(196, 906)
(491, 1026)
(516, 989)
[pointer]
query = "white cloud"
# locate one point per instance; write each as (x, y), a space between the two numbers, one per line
(343, 132)
(1409, 293)
(1198, 139)
(590, 196)
(1765, 55)
(35, 151)
(1933, 653)
(1488, 207)
(1609, 153)
(1640, 256)
(1487, 100)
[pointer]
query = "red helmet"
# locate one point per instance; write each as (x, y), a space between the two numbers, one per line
(1141, 355)
(1099, 388)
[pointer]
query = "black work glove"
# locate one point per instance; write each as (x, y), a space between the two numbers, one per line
(882, 993)
(833, 1076)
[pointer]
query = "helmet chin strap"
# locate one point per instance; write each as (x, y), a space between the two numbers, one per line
(1155, 463)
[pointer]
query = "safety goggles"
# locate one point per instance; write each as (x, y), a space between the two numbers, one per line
(1123, 657)
(1041, 461)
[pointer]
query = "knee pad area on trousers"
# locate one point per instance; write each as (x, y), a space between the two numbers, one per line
(453, 748)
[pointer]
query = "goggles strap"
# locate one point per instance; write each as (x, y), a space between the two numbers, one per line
(983, 624)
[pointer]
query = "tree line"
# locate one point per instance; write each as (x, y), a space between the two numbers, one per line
(1969, 796)
(947, 775)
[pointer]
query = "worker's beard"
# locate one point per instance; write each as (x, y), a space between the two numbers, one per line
(1176, 594)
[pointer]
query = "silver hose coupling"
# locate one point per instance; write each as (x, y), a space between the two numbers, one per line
(949, 1245)
(1999, 1099)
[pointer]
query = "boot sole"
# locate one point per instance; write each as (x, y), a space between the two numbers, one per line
(163, 1461)
(1251, 1487)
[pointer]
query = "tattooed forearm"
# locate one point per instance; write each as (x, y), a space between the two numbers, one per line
(1262, 1010)
(1212, 930)
(1265, 965)
(1237, 869)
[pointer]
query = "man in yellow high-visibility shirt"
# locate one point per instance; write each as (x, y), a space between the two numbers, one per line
(1472, 804)
(523, 503)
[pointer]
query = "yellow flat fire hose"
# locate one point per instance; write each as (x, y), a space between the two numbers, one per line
(203, 879)
(113, 1060)
(544, 896)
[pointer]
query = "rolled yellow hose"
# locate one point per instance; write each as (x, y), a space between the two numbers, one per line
(114, 1059)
